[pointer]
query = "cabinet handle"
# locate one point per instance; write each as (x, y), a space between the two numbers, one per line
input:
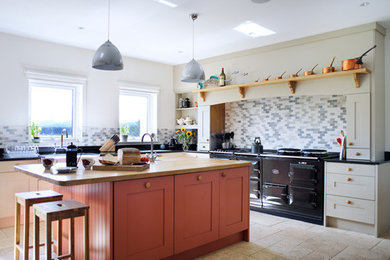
(207, 140)
(203, 146)
(224, 174)
(357, 153)
(349, 179)
(199, 178)
(148, 185)
(348, 202)
(350, 143)
(349, 169)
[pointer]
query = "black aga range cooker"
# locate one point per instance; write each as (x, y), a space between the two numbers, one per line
(287, 182)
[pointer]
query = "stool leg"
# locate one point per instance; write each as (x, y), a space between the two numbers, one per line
(26, 230)
(59, 237)
(36, 236)
(17, 230)
(86, 235)
(48, 238)
(71, 238)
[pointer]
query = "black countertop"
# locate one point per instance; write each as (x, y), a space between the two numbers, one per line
(336, 160)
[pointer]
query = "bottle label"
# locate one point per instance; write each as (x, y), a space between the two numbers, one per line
(222, 81)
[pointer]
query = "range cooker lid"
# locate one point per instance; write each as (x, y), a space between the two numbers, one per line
(289, 151)
(314, 152)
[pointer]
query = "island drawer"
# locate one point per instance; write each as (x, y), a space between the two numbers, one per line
(351, 168)
(350, 185)
(351, 209)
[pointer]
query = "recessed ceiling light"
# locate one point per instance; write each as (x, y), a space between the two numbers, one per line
(253, 30)
(364, 4)
(179, 51)
(80, 28)
(260, 1)
(167, 3)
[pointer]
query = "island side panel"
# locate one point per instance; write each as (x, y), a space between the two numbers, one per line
(99, 197)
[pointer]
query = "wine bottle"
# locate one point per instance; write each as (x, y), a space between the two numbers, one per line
(222, 78)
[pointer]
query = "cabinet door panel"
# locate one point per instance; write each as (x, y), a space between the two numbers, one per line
(358, 121)
(234, 201)
(134, 203)
(204, 124)
(196, 209)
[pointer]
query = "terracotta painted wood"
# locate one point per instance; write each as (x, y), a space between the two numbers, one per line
(143, 218)
(99, 197)
(196, 210)
(234, 201)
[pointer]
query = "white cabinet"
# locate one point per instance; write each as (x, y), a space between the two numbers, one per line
(204, 124)
(358, 126)
(356, 197)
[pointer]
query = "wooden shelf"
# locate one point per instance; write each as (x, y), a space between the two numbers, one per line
(186, 108)
(187, 126)
(291, 82)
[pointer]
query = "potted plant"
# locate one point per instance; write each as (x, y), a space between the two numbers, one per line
(124, 132)
(185, 137)
(35, 130)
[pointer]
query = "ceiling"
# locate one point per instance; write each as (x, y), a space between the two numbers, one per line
(149, 30)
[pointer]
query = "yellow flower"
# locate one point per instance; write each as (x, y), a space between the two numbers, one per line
(183, 129)
(178, 131)
(189, 133)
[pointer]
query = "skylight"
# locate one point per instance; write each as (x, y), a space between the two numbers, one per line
(167, 3)
(253, 30)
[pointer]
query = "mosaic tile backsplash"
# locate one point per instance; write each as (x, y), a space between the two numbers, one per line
(90, 136)
(311, 122)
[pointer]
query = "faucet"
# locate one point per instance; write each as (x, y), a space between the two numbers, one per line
(152, 156)
(62, 137)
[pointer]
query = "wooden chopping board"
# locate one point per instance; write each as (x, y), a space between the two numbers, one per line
(102, 167)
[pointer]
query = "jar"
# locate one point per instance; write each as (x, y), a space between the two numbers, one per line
(187, 103)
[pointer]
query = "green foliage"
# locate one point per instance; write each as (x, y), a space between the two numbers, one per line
(124, 129)
(35, 130)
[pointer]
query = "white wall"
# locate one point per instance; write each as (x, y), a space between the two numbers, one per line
(18, 53)
(387, 84)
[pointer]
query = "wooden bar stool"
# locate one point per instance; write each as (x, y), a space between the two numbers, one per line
(28, 199)
(59, 210)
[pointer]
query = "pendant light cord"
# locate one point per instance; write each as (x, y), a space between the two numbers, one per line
(193, 38)
(108, 23)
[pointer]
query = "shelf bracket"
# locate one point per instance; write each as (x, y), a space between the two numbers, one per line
(203, 96)
(242, 91)
(291, 85)
(355, 78)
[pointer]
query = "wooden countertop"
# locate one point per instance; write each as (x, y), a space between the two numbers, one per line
(167, 164)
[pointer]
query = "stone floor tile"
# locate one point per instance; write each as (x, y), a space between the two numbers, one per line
(358, 254)
(327, 247)
(246, 248)
(268, 255)
(258, 231)
(264, 219)
(289, 249)
(269, 240)
(316, 256)
(382, 248)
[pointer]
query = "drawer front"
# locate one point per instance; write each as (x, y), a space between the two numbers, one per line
(351, 169)
(361, 187)
(351, 209)
(8, 166)
(203, 146)
(363, 154)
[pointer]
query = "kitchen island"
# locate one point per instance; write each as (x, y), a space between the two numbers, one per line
(184, 206)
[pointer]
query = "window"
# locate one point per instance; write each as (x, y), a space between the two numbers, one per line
(138, 109)
(55, 103)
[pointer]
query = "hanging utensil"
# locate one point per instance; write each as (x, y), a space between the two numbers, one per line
(296, 74)
(267, 78)
(281, 76)
(310, 72)
(330, 68)
(357, 63)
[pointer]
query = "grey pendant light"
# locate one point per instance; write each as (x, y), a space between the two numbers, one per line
(193, 71)
(107, 57)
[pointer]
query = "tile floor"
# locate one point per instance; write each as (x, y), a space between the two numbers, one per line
(279, 238)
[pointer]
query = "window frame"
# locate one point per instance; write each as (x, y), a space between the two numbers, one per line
(142, 90)
(60, 81)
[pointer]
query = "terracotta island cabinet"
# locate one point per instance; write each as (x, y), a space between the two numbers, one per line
(184, 206)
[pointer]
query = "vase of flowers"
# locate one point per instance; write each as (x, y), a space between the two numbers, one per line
(35, 130)
(185, 137)
(124, 133)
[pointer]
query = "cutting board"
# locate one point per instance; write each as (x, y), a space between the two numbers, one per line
(102, 167)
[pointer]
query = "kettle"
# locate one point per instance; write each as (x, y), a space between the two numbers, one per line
(172, 142)
(71, 155)
(257, 147)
